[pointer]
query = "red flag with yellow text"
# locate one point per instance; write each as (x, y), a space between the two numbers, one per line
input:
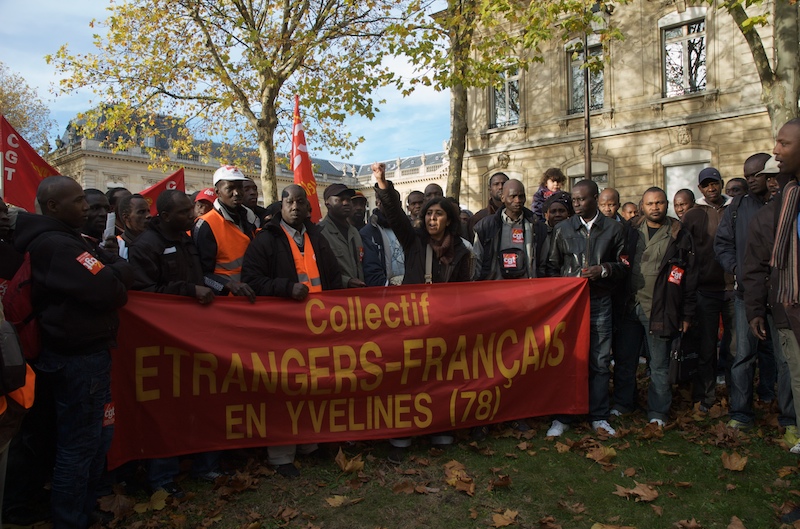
(174, 181)
(301, 163)
(22, 168)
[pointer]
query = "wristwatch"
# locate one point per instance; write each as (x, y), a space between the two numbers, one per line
(604, 272)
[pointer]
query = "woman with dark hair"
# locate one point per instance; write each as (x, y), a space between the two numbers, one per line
(434, 253)
(552, 181)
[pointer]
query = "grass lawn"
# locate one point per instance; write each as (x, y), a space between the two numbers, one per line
(643, 478)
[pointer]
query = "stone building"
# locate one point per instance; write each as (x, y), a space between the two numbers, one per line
(678, 94)
(93, 164)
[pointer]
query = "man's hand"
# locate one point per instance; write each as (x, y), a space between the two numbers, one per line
(299, 291)
(238, 288)
(758, 328)
(111, 244)
(593, 272)
(355, 283)
(203, 295)
(379, 174)
(686, 325)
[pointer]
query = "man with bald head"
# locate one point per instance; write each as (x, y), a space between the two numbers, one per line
(77, 289)
(290, 258)
(433, 191)
(508, 243)
(608, 203)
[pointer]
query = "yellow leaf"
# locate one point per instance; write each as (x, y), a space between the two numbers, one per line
(561, 448)
(505, 519)
(736, 523)
(733, 461)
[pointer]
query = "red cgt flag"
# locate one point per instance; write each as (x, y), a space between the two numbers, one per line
(174, 181)
(301, 164)
(21, 167)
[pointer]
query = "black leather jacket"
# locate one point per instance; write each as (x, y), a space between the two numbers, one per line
(572, 249)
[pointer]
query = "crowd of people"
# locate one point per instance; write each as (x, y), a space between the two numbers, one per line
(728, 262)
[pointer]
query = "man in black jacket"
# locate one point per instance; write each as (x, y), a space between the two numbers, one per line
(509, 242)
(661, 303)
(729, 246)
(589, 245)
(76, 290)
(164, 258)
(290, 258)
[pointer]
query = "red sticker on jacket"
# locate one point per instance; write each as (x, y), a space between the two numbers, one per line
(361, 253)
(109, 414)
(517, 236)
(90, 262)
(676, 275)
(624, 259)
(510, 260)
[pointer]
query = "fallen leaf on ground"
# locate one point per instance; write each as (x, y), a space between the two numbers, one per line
(500, 482)
(456, 476)
(342, 501)
(602, 454)
(630, 472)
(688, 524)
(641, 492)
(575, 508)
(524, 445)
(668, 453)
(785, 471)
(505, 519)
(349, 466)
(405, 486)
(286, 513)
(157, 502)
(117, 504)
(473, 513)
(549, 522)
(561, 448)
(606, 526)
(733, 461)
(736, 523)
(659, 510)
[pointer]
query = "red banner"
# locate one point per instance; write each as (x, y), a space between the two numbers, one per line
(21, 167)
(174, 181)
(359, 364)
(301, 164)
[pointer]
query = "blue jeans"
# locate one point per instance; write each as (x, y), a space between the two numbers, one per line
(744, 367)
(706, 329)
(81, 388)
(600, 330)
(634, 328)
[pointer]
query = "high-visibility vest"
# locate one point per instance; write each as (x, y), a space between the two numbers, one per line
(231, 245)
(22, 396)
(305, 263)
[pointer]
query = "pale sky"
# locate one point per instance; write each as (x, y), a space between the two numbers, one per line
(34, 28)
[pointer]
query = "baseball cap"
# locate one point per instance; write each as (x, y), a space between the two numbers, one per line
(709, 173)
(359, 194)
(771, 167)
(228, 172)
(335, 190)
(208, 194)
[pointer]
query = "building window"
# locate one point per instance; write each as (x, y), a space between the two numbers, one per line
(601, 179)
(506, 101)
(684, 58)
(575, 60)
(150, 142)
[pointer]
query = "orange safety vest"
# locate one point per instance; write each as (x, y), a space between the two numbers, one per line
(231, 245)
(305, 263)
(22, 396)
